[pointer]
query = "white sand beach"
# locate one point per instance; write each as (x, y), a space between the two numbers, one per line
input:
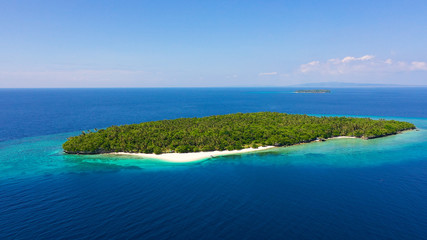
(197, 156)
(341, 137)
(193, 156)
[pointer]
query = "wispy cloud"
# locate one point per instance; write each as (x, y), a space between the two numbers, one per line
(364, 64)
(69, 78)
(418, 66)
(75, 73)
(268, 74)
(351, 59)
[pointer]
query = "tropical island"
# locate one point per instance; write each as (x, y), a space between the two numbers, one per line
(313, 91)
(232, 132)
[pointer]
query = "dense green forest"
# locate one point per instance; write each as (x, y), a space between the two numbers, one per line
(227, 132)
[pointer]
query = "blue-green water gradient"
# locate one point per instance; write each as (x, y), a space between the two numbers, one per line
(338, 189)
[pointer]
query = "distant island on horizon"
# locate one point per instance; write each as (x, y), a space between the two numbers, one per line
(227, 132)
(323, 85)
(313, 91)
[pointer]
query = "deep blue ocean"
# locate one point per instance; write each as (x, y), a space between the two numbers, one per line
(338, 189)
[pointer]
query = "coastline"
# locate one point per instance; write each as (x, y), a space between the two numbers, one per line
(197, 156)
(340, 137)
(192, 156)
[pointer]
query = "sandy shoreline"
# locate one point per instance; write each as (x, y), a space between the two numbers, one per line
(197, 156)
(193, 156)
(340, 137)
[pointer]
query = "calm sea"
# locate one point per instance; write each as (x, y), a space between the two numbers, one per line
(339, 189)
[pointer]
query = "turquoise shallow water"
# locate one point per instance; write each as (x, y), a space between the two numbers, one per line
(338, 189)
(341, 188)
(43, 155)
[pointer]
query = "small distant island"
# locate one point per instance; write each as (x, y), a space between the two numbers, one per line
(227, 132)
(313, 91)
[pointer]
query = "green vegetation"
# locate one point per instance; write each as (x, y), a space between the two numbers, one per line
(313, 91)
(227, 132)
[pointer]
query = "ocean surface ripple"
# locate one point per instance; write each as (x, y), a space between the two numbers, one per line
(338, 189)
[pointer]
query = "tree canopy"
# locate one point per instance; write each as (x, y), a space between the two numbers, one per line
(227, 132)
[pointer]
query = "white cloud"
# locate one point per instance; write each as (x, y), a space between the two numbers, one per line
(418, 66)
(311, 66)
(364, 64)
(366, 57)
(351, 59)
(268, 74)
(355, 60)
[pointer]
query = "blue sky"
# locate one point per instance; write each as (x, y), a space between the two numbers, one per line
(211, 43)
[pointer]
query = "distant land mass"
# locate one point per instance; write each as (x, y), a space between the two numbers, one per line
(313, 91)
(227, 132)
(348, 85)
